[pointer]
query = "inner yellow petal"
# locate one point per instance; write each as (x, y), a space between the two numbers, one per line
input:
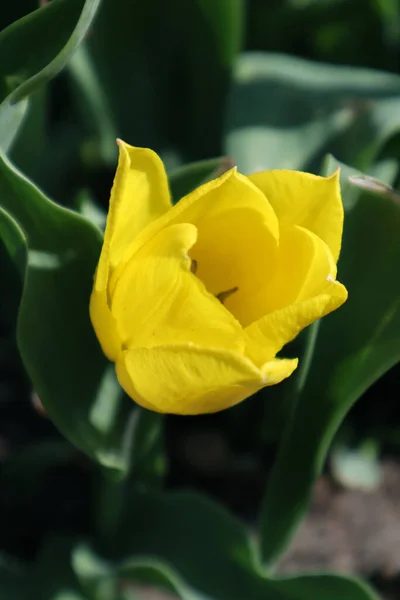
(159, 300)
(237, 244)
(235, 254)
(303, 264)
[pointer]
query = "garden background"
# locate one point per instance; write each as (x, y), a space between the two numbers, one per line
(262, 84)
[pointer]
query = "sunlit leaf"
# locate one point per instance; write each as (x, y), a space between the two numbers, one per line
(286, 112)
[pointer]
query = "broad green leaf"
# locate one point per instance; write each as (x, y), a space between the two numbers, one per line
(353, 348)
(136, 38)
(212, 33)
(87, 207)
(11, 118)
(14, 241)
(54, 32)
(306, 587)
(286, 112)
(183, 180)
(94, 106)
(174, 55)
(225, 20)
(72, 378)
(201, 552)
(34, 131)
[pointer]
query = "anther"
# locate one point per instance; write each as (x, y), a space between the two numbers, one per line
(193, 266)
(222, 296)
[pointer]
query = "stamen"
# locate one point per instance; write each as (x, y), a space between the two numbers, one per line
(222, 296)
(193, 266)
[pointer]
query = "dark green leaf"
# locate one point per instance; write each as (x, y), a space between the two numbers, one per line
(94, 106)
(72, 378)
(194, 547)
(51, 577)
(179, 58)
(353, 348)
(13, 239)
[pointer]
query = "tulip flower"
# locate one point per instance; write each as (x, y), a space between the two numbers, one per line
(193, 302)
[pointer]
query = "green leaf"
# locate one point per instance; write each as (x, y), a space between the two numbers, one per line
(183, 180)
(277, 102)
(51, 577)
(54, 32)
(225, 20)
(73, 380)
(96, 576)
(11, 118)
(354, 347)
(33, 130)
(187, 46)
(148, 454)
(213, 35)
(201, 552)
(13, 239)
(94, 105)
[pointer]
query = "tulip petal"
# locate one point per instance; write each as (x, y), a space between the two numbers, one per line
(237, 245)
(307, 200)
(139, 195)
(189, 380)
(104, 324)
(303, 264)
(212, 202)
(158, 299)
(267, 336)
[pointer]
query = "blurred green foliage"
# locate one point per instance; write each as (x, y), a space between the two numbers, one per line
(205, 84)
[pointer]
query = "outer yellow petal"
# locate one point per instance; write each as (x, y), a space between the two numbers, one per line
(183, 379)
(104, 324)
(278, 369)
(139, 195)
(158, 300)
(307, 200)
(266, 337)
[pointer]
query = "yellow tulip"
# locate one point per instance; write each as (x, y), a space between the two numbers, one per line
(194, 301)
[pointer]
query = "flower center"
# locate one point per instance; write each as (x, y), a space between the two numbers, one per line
(221, 296)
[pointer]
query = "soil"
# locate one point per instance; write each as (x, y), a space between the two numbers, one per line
(352, 532)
